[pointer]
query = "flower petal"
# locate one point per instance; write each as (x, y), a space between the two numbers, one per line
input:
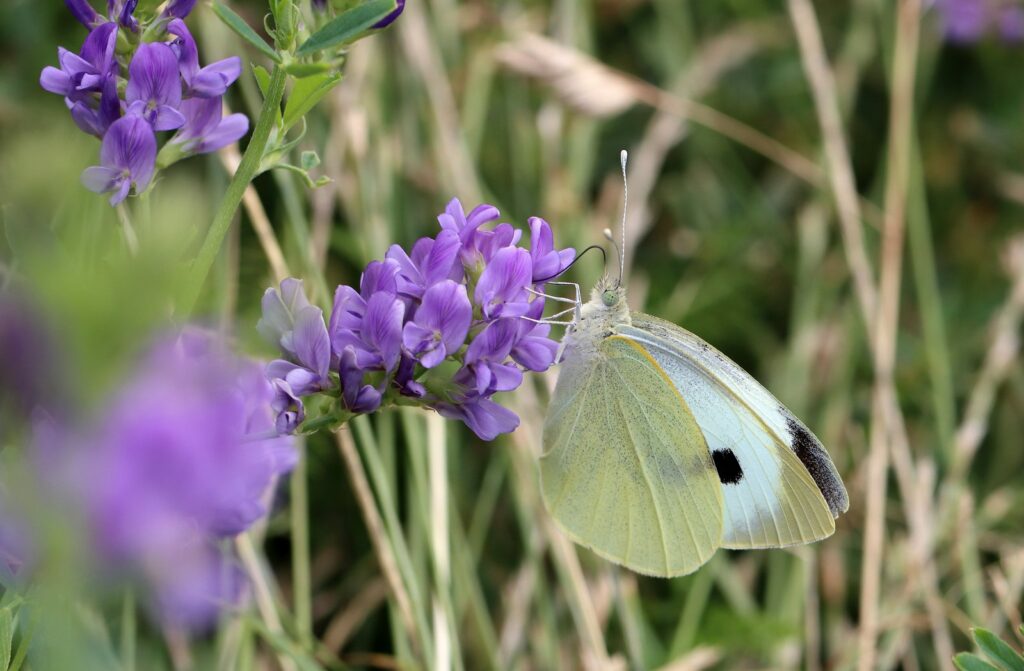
(312, 344)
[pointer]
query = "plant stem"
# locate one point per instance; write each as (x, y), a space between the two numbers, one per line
(128, 631)
(302, 584)
(236, 189)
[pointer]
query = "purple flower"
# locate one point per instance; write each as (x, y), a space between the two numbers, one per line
(209, 82)
(431, 261)
(413, 312)
(86, 73)
(95, 116)
(533, 349)
(154, 90)
(280, 308)
(547, 261)
(441, 323)
(184, 454)
(319, 5)
(206, 129)
(486, 370)
(308, 373)
(466, 227)
(123, 11)
(128, 157)
(370, 322)
(83, 11)
(356, 396)
(484, 417)
(501, 290)
(390, 18)
(1011, 23)
(178, 9)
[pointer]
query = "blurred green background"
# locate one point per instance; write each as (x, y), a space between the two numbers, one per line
(455, 100)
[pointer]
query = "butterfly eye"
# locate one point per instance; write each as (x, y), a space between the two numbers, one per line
(608, 298)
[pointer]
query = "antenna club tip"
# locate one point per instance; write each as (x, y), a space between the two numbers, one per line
(608, 234)
(623, 156)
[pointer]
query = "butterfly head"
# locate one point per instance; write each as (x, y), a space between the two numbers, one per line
(607, 306)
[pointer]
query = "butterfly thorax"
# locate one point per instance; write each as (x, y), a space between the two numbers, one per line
(599, 317)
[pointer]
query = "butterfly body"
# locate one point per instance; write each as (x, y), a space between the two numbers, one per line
(658, 449)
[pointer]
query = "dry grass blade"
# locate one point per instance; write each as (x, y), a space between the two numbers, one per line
(595, 89)
(345, 623)
(695, 660)
(999, 361)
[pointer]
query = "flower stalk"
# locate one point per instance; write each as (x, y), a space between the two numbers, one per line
(247, 170)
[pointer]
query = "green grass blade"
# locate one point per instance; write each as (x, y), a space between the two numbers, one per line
(347, 26)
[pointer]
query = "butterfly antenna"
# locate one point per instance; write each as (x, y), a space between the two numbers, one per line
(623, 157)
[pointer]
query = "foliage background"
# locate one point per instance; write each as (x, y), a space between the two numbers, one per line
(724, 242)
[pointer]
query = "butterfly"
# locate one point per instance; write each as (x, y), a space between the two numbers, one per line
(658, 449)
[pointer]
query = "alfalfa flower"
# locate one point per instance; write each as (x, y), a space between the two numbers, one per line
(445, 326)
(127, 157)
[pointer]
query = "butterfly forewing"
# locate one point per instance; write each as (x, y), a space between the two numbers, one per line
(779, 485)
(626, 470)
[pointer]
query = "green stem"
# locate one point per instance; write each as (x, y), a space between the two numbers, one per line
(300, 552)
(236, 189)
(128, 630)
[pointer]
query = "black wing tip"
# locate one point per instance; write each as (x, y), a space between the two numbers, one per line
(815, 459)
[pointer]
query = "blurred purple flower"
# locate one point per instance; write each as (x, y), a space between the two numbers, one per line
(154, 89)
(968, 21)
(185, 454)
(30, 374)
(209, 82)
(319, 5)
(390, 18)
(413, 313)
(128, 158)
(206, 129)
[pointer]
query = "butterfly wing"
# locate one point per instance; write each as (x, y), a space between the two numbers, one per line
(780, 486)
(625, 470)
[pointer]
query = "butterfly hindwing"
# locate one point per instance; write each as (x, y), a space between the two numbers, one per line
(626, 470)
(779, 485)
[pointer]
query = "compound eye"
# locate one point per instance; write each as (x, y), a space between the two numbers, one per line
(608, 298)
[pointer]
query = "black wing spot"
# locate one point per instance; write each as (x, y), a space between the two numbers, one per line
(728, 467)
(810, 453)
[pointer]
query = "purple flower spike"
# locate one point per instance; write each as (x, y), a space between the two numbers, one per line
(441, 323)
(206, 129)
(547, 261)
(83, 11)
(390, 18)
(154, 90)
(209, 82)
(128, 157)
(501, 291)
(454, 218)
(179, 9)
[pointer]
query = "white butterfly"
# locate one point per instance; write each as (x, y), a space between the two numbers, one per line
(658, 449)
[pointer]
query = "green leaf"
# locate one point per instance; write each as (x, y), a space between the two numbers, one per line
(306, 93)
(302, 70)
(998, 650)
(262, 76)
(6, 636)
(243, 30)
(347, 26)
(967, 661)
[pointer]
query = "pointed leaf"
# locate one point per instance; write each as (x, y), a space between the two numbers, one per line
(306, 94)
(244, 30)
(998, 650)
(347, 26)
(967, 661)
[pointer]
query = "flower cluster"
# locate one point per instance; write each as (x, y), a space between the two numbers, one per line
(966, 21)
(446, 326)
(137, 76)
(182, 456)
